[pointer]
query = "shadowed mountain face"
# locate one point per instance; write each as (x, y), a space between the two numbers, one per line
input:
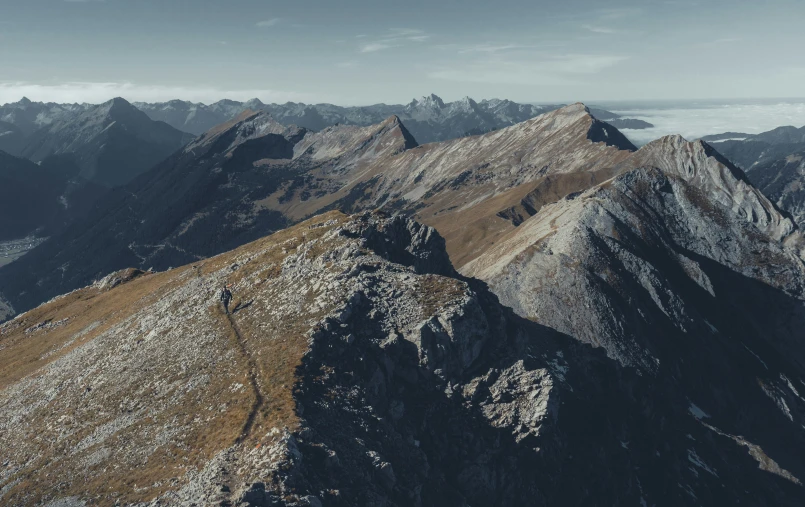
(41, 199)
(357, 368)
(111, 143)
(750, 150)
(253, 176)
(29, 197)
(784, 182)
(679, 268)
(11, 138)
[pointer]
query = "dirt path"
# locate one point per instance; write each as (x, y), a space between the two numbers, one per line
(259, 399)
(253, 382)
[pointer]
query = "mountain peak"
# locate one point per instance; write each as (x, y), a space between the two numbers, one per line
(25, 101)
(703, 167)
(394, 122)
(254, 103)
(577, 108)
(430, 101)
(119, 105)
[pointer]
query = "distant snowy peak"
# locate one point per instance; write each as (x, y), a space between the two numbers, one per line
(431, 101)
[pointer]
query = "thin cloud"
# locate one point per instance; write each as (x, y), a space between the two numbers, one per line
(396, 37)
(537, 70)
(375, 46)
(491, 48)
(402, 32)
(268, 23)
(600, 29)
(612, 14)
(99, 92)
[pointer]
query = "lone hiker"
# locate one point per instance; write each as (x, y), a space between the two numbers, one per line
(226, 297)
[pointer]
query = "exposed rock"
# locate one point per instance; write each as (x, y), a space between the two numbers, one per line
(784, 182)
(358, 369)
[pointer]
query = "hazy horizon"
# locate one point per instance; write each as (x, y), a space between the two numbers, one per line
(358, 52)
(614, 104)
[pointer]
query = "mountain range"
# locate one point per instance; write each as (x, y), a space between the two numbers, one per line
(67, 156)
(111, 143)
(750, 150)
(429, 119)
(252, 176)
(541, 314)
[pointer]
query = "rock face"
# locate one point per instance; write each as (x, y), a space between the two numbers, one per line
(784, 182)
(252, 176)
(678, 268)
(112, 143)
(664, 246)
(773, 162)
(357, 368)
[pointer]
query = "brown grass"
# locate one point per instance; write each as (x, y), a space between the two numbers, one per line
(435, 291)
(276, 353)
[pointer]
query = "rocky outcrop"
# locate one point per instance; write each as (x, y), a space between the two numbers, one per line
(356, 368)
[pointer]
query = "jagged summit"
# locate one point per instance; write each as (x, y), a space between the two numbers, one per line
(701, 165)
(431, 101)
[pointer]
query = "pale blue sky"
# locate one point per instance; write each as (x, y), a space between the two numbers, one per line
(361, 51)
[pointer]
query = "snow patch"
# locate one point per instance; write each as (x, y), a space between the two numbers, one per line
(757, 357)
(696, 460)
(697, 412)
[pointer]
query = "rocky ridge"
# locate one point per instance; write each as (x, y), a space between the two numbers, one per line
(356, 368)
